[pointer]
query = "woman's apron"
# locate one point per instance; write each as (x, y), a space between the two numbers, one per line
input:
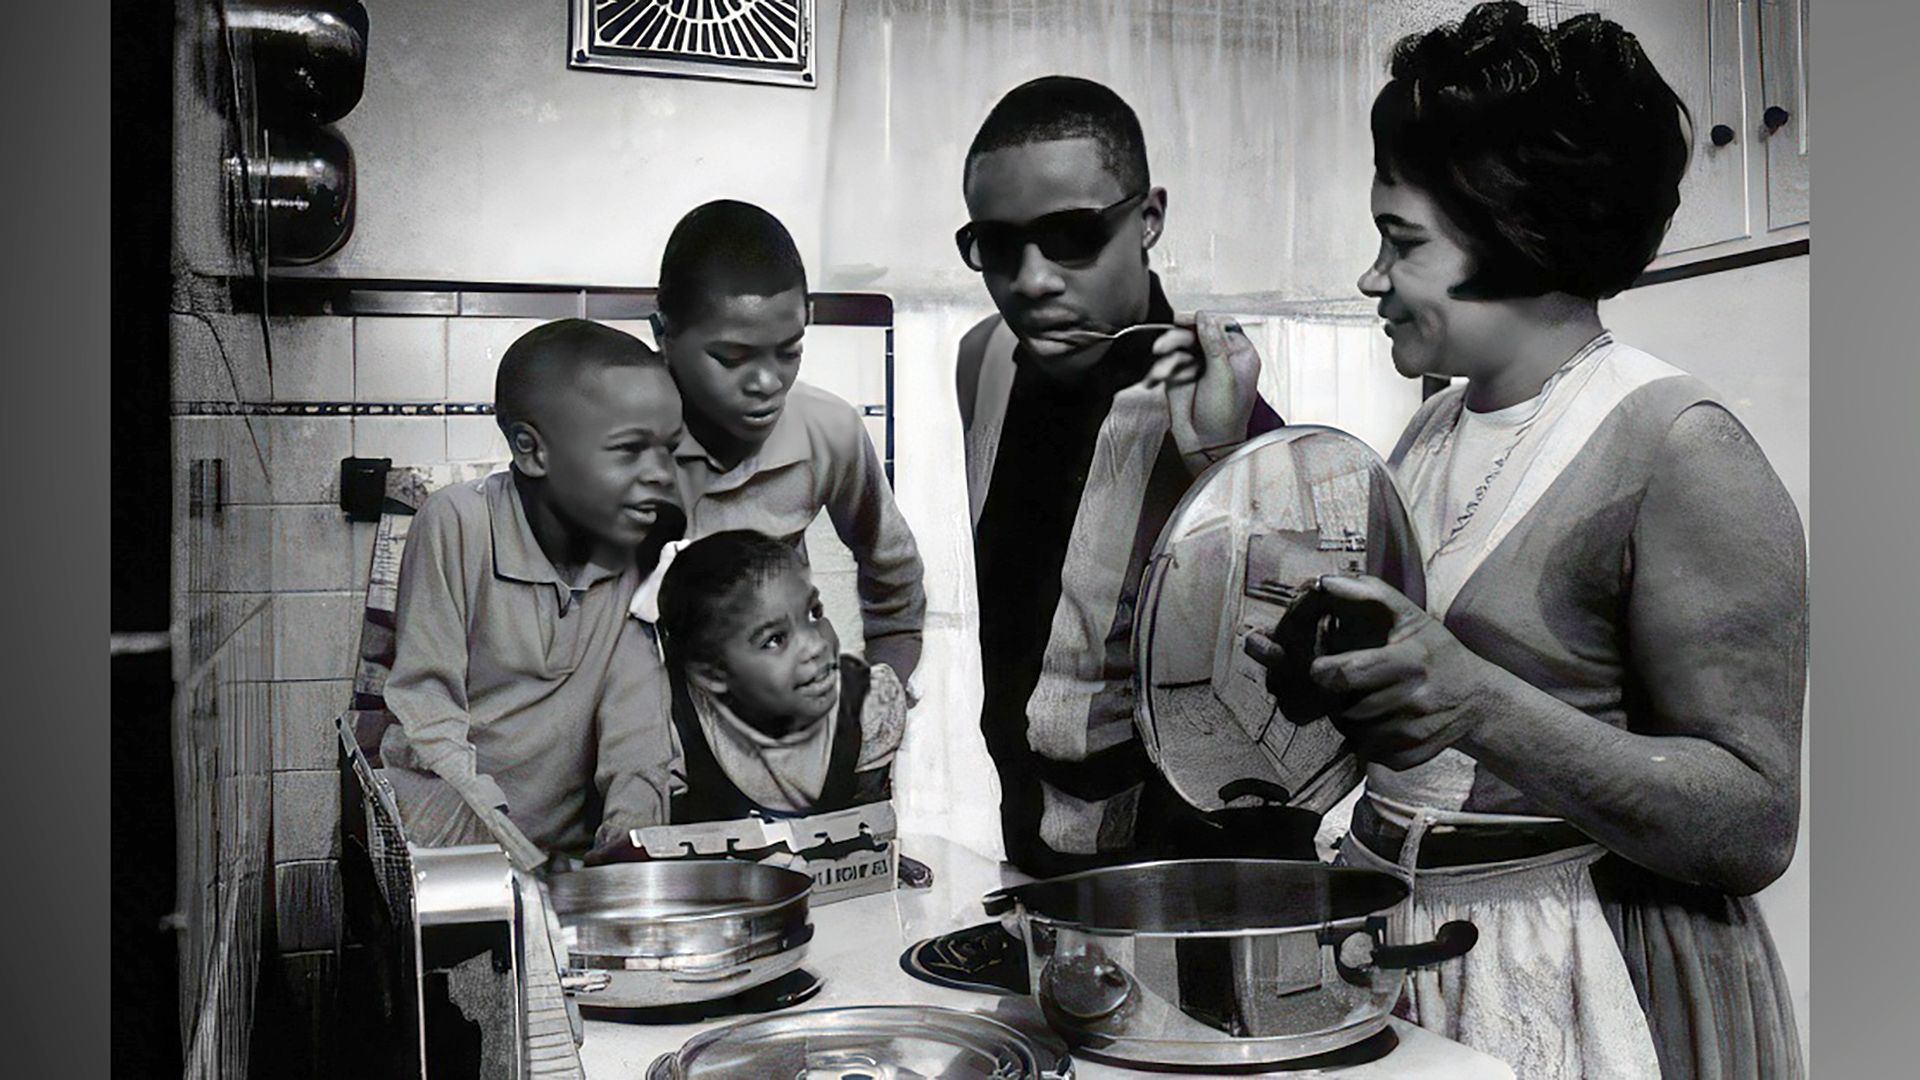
(1545, 989)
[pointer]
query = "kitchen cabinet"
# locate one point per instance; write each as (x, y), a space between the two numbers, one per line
(1783, 87)
(1697, 46)
(1740, 67)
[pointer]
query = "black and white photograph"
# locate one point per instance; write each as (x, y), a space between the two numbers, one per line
(963, 539)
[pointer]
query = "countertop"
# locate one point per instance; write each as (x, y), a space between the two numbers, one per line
(856, 953)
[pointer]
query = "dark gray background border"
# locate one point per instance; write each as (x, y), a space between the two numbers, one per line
(56, 398)
(1865, 591)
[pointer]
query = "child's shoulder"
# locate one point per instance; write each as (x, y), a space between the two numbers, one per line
(827, 415)
(463, 508)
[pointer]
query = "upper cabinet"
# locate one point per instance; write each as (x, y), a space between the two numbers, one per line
(1741, 68)
(1698, 46)
(1783, 104)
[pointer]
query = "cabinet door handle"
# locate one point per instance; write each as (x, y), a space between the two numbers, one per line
(1721, 134)
(1775, 118)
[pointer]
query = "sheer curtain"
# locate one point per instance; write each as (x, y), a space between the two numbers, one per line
(1255, 114)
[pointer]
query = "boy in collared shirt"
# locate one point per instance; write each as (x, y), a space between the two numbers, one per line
(531, 711)
(764, 451)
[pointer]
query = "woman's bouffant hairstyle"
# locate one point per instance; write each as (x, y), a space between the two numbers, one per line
(698, 590)
(1557, 153)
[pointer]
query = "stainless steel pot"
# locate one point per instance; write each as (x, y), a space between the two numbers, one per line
(669, 933)
(874, 1042)
(1218, 962)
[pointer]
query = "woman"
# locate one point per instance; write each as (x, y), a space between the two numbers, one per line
(1588, 741)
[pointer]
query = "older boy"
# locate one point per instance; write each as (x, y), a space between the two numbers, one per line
(764, 451)
(1076, 456)
(530, 709)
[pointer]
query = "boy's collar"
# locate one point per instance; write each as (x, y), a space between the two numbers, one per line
(517, 555)
(786, 444)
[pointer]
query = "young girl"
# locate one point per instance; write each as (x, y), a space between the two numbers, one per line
(771, 717)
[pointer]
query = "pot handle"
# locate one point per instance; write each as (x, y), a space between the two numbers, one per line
(730, 963)
(1452, 940)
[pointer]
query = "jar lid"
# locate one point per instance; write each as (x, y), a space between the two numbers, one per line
(882, 1042)
(1241, 551)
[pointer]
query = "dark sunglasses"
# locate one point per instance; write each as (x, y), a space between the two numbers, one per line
(1067, 237)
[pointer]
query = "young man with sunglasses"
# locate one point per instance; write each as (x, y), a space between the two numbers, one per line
(1077, 450)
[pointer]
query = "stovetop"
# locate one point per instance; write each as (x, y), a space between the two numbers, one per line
(793, 988)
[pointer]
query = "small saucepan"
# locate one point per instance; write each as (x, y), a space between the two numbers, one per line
(673, 932)
(1208, 963)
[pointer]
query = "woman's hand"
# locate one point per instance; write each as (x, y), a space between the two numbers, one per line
(1411, 698)
(1212, 376)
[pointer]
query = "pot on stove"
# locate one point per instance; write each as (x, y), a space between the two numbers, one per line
(646, 934)
(1234, 961)
(1207, 963)
(877, 1042)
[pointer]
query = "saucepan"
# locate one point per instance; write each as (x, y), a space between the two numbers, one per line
(668, 933)
(1208, 963)
(872, 1042)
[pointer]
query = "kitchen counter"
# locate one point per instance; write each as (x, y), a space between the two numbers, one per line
(856, 953)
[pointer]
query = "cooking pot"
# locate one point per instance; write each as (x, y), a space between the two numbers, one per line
(1202, 963)
(667, 933)
(880, 1042)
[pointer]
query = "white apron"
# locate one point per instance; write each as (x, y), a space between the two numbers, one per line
(1545, 989)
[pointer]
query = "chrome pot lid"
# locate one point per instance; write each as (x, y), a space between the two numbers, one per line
(863, 1043)
(1239, 552)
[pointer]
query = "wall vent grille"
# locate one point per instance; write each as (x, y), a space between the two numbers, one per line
(759, 41)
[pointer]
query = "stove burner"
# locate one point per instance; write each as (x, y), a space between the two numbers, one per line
(782, 993)
(984, 958)
(1364, 1052)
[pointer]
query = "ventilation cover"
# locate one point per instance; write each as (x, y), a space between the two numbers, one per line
(761, 41)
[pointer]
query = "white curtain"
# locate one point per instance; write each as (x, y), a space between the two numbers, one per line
(1234, 96)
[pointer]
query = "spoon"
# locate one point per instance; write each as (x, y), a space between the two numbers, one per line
(1084, 338)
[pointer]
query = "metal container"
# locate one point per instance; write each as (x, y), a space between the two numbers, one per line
(882, 1042)
(1208, 963)
(1240, 554)
(668, 933)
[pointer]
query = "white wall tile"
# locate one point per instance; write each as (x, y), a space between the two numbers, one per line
(315, 634)
(400, 359)
(408, 440)
(474, 349)
(312, 549)
(304, 452)
(306, 814)
(303, 713)
(313, 358)
(218, 358)
(475, 438)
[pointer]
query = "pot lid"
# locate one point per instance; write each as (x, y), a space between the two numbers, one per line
(1241, 552)
(885, 1042)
